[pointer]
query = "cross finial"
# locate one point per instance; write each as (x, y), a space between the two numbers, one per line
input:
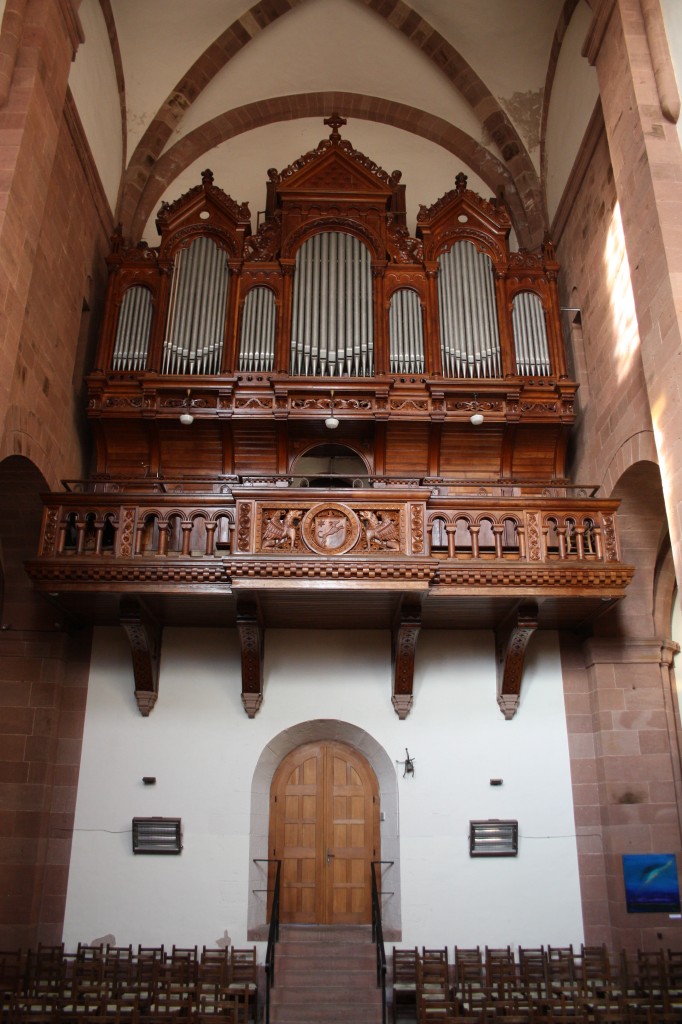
(335, 122)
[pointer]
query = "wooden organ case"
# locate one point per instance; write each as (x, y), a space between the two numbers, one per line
(328, 423)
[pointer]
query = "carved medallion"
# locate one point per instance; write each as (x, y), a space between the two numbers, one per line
(330, 529)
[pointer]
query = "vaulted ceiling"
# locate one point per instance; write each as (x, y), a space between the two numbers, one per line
(165, 88)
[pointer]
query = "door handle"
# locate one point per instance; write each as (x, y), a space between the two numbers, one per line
(329, 855)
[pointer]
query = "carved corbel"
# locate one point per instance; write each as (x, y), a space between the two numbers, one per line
(511, 644)
(403, 645)
(144, 637)
(251, 633)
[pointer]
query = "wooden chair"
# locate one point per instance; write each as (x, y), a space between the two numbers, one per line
(214, 966)
(433, 982)
(244, 977)
(404, 980)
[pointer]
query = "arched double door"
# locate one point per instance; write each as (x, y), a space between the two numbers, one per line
(324, 827)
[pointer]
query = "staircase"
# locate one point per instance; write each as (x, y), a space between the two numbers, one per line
(325, 975)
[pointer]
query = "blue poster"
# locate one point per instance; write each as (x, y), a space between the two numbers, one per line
(651, 883)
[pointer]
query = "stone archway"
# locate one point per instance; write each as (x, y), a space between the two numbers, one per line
(272, 755)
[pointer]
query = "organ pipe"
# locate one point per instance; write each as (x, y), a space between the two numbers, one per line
(257, 344)
(470, 340)
(197, 308)
(132, 330)
(406, 332)
(530, 335)
(332, 319)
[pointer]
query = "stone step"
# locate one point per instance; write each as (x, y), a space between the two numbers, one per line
(325, 975)
(295, 952)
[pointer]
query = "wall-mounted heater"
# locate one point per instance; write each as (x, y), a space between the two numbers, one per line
(157, 835)
(493, 838)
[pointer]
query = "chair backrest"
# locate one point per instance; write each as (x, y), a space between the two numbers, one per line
(435, 954)
(405, 966)
(243, 966)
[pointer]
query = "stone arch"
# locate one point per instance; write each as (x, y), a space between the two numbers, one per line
(271, 756)
(639, 447)
(288, 108)
(644, 537)
(401, 17)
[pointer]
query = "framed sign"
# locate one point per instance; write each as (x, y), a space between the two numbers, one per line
(651, 884)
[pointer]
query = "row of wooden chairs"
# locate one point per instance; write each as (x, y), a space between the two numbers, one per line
(117, 983)
(544, 983)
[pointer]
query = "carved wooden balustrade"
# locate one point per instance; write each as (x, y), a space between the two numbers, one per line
(349, 529)
(246, 539)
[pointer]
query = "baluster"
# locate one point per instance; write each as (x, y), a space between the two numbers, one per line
(561, 534)
(579, 541)
(80, 537)
(99, 531)
(163, 538)
(210, 537)
(474, 532)
(186, 528)
(497, 532)
(521, 536)
(451, 530)
(598, 546)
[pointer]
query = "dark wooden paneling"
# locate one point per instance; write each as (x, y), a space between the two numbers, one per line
(194, 450)
(534, 452)
(255, 448)
(472, 452)
(407, 448)
(128, 450)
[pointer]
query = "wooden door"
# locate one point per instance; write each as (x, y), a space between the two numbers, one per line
(324, 827)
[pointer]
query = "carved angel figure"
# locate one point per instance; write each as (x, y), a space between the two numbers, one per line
(380, 531)
(280, 528)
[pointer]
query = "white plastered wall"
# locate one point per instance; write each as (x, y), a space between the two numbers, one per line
(575, 92)
(95, 91)
(204, 753)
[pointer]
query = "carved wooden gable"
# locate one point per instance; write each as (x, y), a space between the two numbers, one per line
(204, 209)
(461, 213)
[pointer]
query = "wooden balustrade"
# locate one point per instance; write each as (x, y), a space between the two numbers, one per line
(367, 523)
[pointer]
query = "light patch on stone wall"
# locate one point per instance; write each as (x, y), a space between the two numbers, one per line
(525, 111)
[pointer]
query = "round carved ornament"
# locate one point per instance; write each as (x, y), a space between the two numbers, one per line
(330, 529)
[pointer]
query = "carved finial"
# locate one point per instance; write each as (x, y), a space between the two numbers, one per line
(461, 182)
(207, 177)
(335, 122)
(548, 250)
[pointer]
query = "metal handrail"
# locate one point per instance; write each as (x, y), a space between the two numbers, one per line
(378, 936)
(273, 934)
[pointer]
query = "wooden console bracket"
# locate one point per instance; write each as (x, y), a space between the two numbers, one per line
(251, 634)
(144, 637)
(403, 645)
(511, 644)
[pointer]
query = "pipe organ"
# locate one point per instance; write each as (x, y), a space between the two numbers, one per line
(236, 370)
(332, 285)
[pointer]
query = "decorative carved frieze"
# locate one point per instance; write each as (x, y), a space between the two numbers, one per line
(511, 644)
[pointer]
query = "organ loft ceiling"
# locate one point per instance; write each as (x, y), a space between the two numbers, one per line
(430, 87)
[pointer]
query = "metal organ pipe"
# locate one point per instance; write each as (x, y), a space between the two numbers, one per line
(405, 329)
(197, 309)
(332, 317)
(530, 335)
(470, 339)
(132, 330)
(257, 343)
